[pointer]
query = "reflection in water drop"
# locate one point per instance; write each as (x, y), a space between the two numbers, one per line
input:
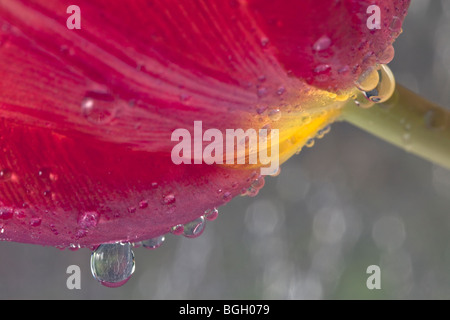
(310, 143)
(98, 107)
(169, 199)
(5, 174)
(194, 228)
(322, 44)
(177, 230)
(113, 264)
(385, 88)
(211, 214)
(368, 81)
(153, 243)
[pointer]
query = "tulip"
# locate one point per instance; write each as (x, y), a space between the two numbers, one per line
(89, 112)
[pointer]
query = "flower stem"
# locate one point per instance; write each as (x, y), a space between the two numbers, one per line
(409, 122)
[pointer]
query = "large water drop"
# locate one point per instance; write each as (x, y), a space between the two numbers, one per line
(113, 264)
(194, 228)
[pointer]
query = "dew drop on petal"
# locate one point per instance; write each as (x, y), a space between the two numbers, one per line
(387, 55)
(177, 230)
(211, 214)
(98, 107)
(153, 243)
(264, 42)
(88, 220)
(227, 196)
(310, 143)
(322, 43)
(5, 174)
(280, 91)
(194, 228)
(143, 204)
(169, 198)
(113, 264)
(35, 222)
(275, 115)
(6, 213)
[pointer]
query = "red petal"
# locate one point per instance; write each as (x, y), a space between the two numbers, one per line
(328, 42)
(87, 115)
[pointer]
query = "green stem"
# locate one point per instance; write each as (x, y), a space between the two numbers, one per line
(409, 122)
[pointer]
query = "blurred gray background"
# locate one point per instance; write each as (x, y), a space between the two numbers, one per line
(349, 202)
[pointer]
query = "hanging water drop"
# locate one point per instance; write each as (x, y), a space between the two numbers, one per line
(368, 81)
(194, 228)
(211, 214)
(385, 88)
(153, 243)
(177, 230)
(310, 143)
(113, 264)
(321, 133)
(387, 55)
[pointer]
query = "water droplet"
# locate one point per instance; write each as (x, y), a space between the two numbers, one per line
(323, 68)
(275, 115)
(264, 42)
(322, 44)
(113, 264)
(254, 188)
(306, 118)
(322, 72)
(396, 24)
(177, 230)
(194, 228)
(321, 133)
(261, 92)
(153, 243)
(280, 91)
(227, 196)
(169, 199)
(35, 222)
(344, 70)
(132, 209)
(6, 213)
(98, 108)
(5, 174)
(154, 185)
(368, 81)
(88, 220)
(385, 88)
(310, 143)
(260, 110)
(211, 214)
(387, 55)
(143, 204)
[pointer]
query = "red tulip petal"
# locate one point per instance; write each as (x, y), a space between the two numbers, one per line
(87, 115)
(327, 42)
